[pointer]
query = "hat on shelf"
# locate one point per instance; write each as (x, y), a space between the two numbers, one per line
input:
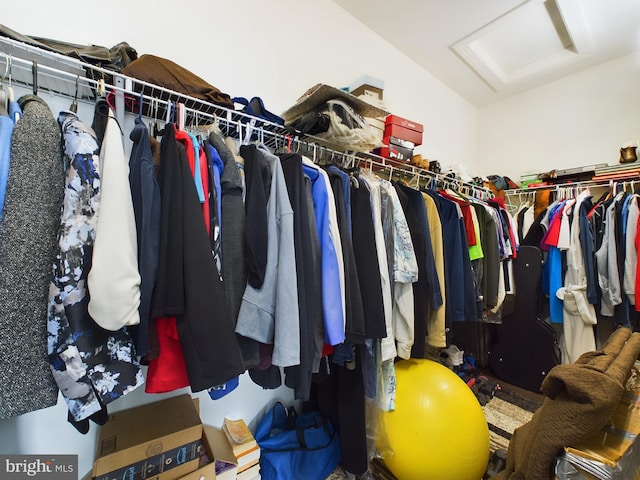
(320, 93)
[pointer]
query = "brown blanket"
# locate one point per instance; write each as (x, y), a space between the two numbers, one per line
(580, 399)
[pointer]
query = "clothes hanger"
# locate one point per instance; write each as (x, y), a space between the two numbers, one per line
(3, 95)
(152, 116)
(34, 74)
(10, 94)
(102, 89)
(74, 104)
(140, 105)
(181, 115)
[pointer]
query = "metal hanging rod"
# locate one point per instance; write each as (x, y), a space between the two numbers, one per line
(60, 75)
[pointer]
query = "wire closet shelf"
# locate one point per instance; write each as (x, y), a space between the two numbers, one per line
(59, 75)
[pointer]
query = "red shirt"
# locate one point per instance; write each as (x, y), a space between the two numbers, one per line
(168, 371)
(204, 174)
(466, 216)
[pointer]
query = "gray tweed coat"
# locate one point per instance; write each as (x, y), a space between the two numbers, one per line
(27, 249)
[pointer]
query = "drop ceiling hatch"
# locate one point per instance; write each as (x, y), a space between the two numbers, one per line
(533, 40)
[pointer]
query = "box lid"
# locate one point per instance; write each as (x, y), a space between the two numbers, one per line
(220, 447)
(403, 122)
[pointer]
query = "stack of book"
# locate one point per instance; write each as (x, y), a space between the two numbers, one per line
(624, 171)
(244, 447)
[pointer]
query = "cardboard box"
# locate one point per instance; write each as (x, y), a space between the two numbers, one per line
(159, 441)
(367, 85)
(368, 90)
(217, 448)
(404, 129)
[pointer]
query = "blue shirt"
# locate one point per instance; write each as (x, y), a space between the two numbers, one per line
(197, 174)
(552, 273)
(6, 129)
(331, 294)
(218, 167)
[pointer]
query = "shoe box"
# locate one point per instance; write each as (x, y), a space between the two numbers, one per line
(403, 129)
(369, 86)
(164, 440)
(396, 148)
(394, 152)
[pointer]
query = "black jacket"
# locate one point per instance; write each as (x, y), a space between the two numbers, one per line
(145, 194)
(211, 352)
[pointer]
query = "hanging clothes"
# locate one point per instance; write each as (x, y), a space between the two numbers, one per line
(637, 286)
(232, 241)
(631, 256)
(315, 251)
(494, 313)
(490, 259)
(339, 395)
(370, 283)
(405, 273)
(607, 266)
(420, 288)
(258, 181)
(145, 197)
(460, 288)
(579, 315)
(552, 273)
(34, 192)
(298, 377)
(333, 291)
(388, 346)
(355, 331)
(211, 162)
(232, 224)
(270, 314)
(211, 352)
(7, 123)
(436, 324)
(434, 293)
(383, 219)
(587, 243)
(114, 265)
(91, 365)
(167, 369)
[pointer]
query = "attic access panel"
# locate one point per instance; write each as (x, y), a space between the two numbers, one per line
(529, 41)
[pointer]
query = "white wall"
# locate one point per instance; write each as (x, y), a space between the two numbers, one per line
(276, 50)
(576, 121)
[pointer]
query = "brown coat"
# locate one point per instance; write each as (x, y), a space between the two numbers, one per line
(580, 400)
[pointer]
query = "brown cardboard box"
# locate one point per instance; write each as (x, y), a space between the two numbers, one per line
(217, 447)
(159, 441)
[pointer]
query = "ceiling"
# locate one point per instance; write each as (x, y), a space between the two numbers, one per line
(487, 50)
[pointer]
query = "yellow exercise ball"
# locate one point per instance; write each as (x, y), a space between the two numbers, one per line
(438, 430)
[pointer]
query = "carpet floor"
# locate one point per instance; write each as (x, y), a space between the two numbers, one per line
(505, 412)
